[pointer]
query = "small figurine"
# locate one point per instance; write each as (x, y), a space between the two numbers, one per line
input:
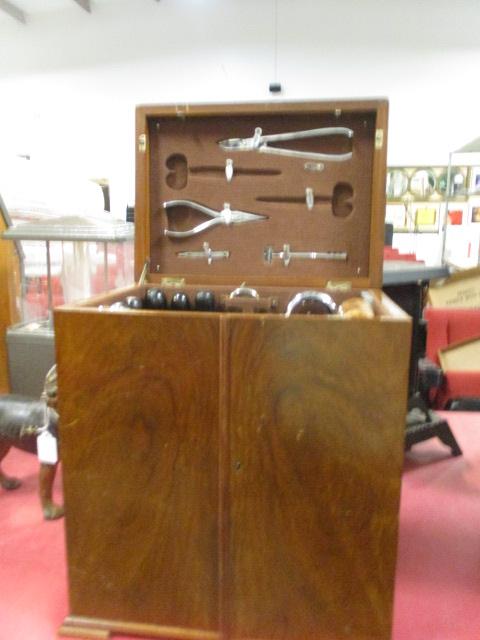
(22, 419)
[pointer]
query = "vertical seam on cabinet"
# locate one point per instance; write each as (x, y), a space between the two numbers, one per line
(223, 476)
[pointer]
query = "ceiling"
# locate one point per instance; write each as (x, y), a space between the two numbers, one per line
(23, 10)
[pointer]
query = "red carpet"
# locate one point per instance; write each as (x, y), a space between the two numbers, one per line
(438, 573)
(438, 568)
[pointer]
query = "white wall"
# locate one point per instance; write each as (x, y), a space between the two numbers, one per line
(69, 81)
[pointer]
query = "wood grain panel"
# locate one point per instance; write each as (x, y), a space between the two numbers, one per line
(139, 406)
(315, 421)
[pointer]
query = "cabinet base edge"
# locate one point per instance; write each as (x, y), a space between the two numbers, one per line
(83, 627)
(81, 632)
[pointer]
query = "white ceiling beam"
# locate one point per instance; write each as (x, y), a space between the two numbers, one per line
(12, 11)
(85, 4)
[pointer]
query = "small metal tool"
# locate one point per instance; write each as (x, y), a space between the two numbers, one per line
(309, 198)
(206, 253)
(311, 302)
(226, 216)
(229, 169)
(314, 166)
(244, 292)
(260, 143)
(286, 255)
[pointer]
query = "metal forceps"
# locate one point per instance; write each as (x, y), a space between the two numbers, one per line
(226, 216)
(261, 143)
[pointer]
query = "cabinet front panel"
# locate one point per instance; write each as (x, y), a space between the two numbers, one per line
(314, 426)
(139, 440)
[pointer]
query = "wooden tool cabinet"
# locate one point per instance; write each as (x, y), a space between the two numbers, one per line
(236, 474)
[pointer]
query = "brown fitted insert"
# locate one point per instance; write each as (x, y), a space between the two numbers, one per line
(187, 163)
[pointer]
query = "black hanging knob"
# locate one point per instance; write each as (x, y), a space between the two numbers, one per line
(134, 302)
(205, 301)
(180, 302)
(155, 299)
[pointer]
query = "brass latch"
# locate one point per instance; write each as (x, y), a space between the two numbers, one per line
(379, 139)
(181, 110)
(172, 282)
(338, 285)
(142, 142)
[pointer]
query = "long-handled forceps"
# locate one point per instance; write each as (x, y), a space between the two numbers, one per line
(261, 143)
(226, 216)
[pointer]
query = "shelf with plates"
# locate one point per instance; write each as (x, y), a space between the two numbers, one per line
(417, 196)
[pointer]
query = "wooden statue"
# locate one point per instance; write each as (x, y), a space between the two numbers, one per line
(22, 419)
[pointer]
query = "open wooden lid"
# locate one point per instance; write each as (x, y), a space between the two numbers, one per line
(322, 194)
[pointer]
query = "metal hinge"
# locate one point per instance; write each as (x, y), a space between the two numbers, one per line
(142, 142)
(338, 285)
(181, 110)
(379, 139)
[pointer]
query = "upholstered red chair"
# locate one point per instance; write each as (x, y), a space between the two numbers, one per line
(444, 327)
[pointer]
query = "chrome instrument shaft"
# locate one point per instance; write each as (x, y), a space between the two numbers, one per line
(286, 255)
(207, 253)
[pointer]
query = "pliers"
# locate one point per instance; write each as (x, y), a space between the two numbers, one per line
(226, 216)
(261, 143)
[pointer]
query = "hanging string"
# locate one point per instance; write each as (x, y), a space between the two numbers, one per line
(275, 45)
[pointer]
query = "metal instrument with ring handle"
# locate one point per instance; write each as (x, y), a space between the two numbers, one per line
(226, 216)
(319, 302)
(262, 144)
(244, 292)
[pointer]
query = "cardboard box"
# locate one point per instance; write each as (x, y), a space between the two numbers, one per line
(461, 290)
(461, 356)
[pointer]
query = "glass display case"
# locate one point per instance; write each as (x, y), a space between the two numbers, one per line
(461, 220)
(63, 259)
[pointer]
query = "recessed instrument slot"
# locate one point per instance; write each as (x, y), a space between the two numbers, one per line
(214, 170)
(340, 199)
(177, 177)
